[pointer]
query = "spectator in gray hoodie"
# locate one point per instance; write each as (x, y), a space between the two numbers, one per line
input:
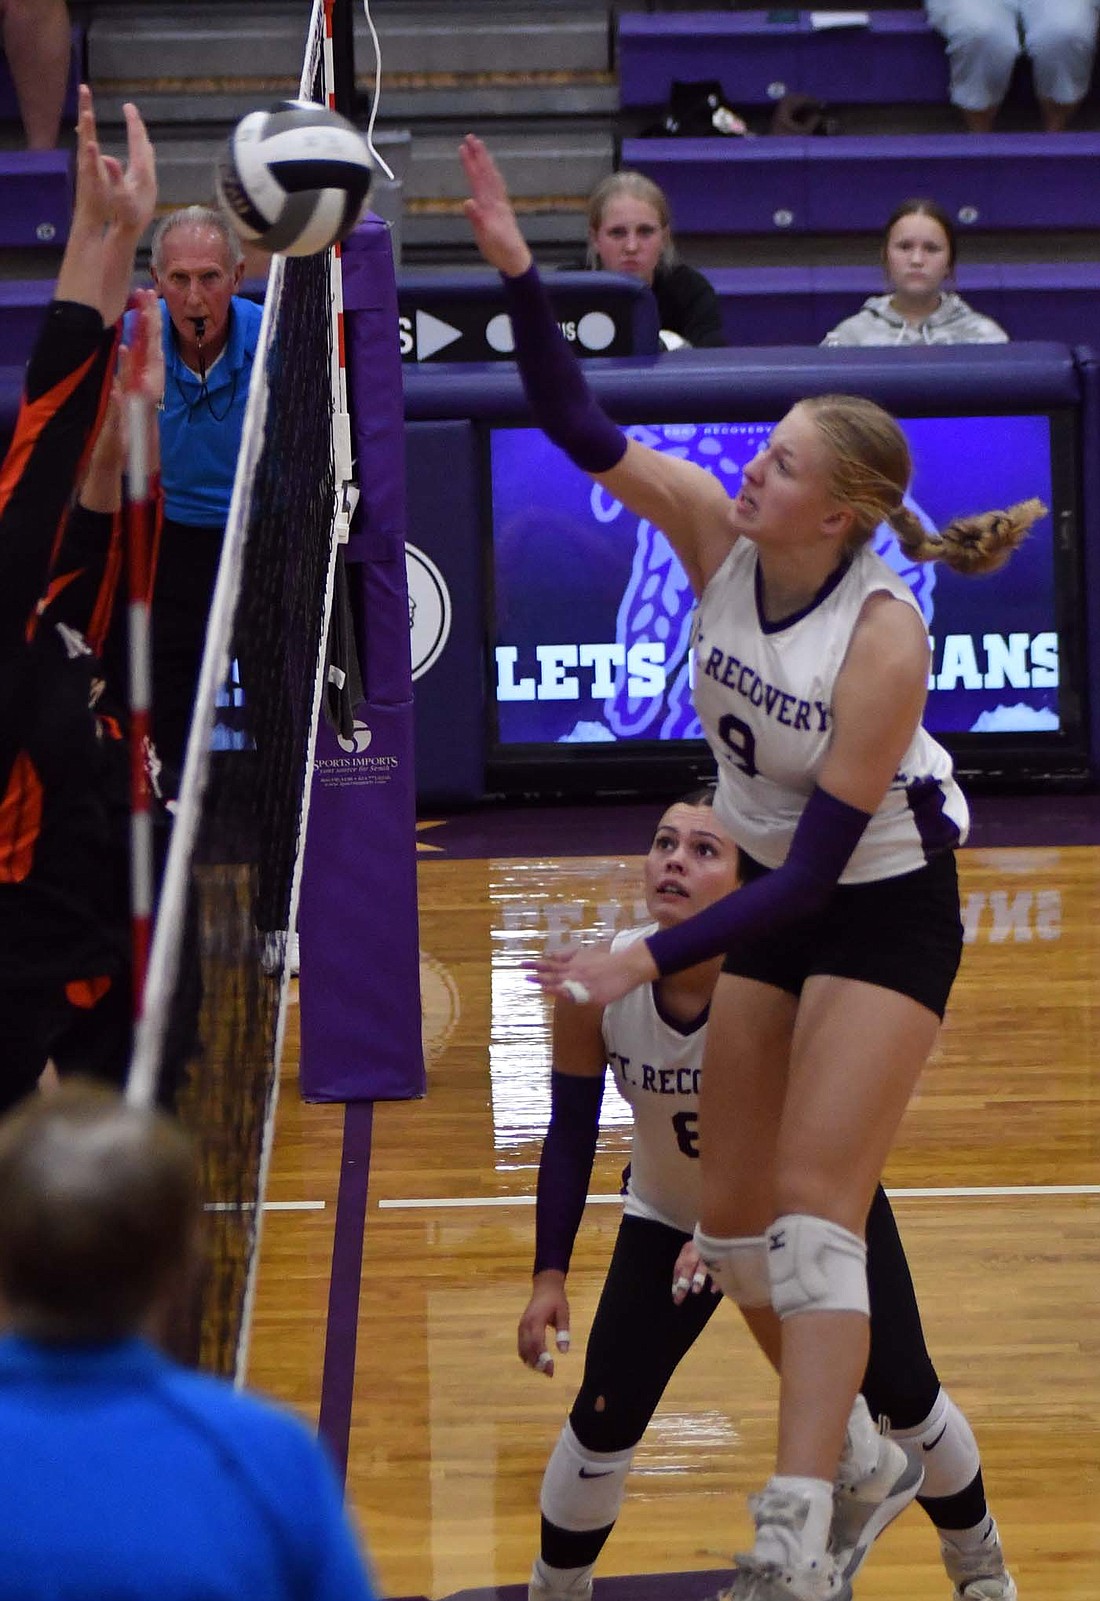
(919, 251)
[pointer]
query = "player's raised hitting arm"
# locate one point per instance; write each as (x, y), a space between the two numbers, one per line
(687, 503)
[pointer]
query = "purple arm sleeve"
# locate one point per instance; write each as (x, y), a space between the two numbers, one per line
(560, 399)
(828, 832)
(565, 1167)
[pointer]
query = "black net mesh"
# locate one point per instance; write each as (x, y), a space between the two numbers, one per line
(223, 1017)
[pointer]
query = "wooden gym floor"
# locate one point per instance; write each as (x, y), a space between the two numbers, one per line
(995, 1177)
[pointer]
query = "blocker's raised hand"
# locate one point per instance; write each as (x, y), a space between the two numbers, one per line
(490, 210)
(135, 187)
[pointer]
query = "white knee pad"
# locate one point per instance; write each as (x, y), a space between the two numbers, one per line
(816, 1266)
(739, 1267)
(582, 1489)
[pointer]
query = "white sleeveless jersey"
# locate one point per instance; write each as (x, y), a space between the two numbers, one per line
(657, 1062)
(764, 691)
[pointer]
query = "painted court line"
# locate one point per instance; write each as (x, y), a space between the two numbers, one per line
(947, 1192)
(341, 1321)
(268, 1206)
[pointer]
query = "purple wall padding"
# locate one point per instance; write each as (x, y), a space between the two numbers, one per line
(357, 920)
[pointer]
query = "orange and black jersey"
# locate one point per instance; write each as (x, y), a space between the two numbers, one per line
(63, 760)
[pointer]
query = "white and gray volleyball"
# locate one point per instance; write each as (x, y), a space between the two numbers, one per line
(294, 179)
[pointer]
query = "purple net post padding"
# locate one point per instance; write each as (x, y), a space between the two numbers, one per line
(383, 629)
(360, 981)
(374, 369)
(357, 921)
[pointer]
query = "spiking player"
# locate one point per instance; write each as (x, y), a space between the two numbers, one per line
(652, 1040)
(811, 673)
(63, 764)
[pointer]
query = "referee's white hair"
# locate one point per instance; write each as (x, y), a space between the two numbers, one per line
(195, 217)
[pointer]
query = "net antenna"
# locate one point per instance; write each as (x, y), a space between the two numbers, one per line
(216, 992)
(139, 541)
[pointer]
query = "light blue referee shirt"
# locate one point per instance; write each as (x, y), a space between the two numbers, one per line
(200, 433)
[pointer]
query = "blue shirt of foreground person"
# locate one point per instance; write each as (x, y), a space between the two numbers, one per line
(123, 1475)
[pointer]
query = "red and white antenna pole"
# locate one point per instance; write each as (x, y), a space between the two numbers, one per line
(139, 524)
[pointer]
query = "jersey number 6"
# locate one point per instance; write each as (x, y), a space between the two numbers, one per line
(686, 1128)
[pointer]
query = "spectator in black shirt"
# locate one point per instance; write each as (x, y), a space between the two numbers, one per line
(629, 231)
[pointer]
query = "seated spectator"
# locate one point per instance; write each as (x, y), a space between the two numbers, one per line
(128, 1476)
(919, 251)
(985, 38)
(629, 231)
(37, 44)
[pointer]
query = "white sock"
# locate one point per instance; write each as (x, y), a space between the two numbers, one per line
(775, 1543)
(969, 1541)
(945, 1446)
(859, 1455)
(560, 1581)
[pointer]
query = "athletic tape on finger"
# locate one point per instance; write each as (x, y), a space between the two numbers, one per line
(543, 1360)
(576, 991)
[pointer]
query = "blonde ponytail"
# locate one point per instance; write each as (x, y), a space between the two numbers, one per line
(968, 545)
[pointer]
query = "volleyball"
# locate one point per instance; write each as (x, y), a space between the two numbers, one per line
(294, 179)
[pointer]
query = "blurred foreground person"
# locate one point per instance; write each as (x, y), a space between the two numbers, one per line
(125, 1475)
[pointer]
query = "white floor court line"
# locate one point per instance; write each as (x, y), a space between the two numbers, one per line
(268, 1206)
(946, 1192)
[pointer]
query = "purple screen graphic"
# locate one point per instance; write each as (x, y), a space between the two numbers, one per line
(592, 610)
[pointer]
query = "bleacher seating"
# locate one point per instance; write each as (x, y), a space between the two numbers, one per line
(1018, 181)
(36, 197)
(799, 305)
(22, 304)
(36, 185)
(759, 56)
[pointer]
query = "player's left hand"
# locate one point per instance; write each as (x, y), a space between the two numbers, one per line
(596, 977)
(689, 1276)
(547, 1309)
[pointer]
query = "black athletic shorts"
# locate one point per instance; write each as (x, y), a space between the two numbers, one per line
(904, 934)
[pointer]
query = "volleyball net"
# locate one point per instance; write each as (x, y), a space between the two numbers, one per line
(216, 995)
(260, 762)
